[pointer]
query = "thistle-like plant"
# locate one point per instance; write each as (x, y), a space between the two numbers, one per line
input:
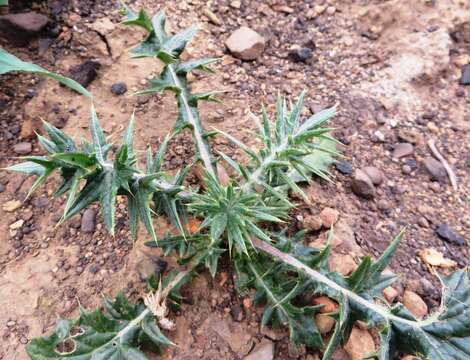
(243, 219)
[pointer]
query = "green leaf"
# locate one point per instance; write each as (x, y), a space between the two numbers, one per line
(97, 135)
(108, 193)
(196, 64)
(62, 142)
(117, 333)
(3, 2)
(137, 19)
(77, 160)
(9, 63)
(280, 310)
(28, 167)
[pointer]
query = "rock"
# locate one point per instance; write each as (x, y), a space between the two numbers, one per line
(435, 169)
(362, 184)
(236, 4)
(12, 205)
(374, 174)
(85, 72)
(263, 351)
(28, 130)
(411, 136)
(329, 217)
(383, 205)
(234, 334)
(119, 88)
(311, 223)
(17, 224)
(402, 149)
(465, 79)
(328, 304)
(340, 354)
(415, 304)
(213, 18)
(324, 323)
(344, 167)
(237, 313)
(23, 148)
(446, 233)
(75, 221)
(427, 287)
(300, 54)
(360, 344)
(343, 264)
(245, 43)
(19, 28)
(148, 264)
(390, 294)
(88, 221)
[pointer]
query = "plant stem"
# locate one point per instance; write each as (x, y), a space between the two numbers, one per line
(315, 275)
(255, 176)
(201, 143)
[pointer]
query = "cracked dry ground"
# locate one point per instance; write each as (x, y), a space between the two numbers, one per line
(392, 67)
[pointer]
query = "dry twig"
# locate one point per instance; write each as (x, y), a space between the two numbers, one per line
(450, 172)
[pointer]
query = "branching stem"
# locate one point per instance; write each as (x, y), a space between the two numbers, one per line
(290, 260)
(203, 151)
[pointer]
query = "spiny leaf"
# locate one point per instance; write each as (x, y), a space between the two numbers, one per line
(117, 333)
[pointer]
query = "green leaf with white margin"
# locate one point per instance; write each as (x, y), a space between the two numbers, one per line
(108, 193)
(319, 159)
(98, 138)
(443, 335)
(9, 63)
(117, 333)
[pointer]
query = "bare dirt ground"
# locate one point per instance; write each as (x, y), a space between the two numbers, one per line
(393, 68)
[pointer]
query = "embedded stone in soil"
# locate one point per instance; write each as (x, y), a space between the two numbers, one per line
(465, 79)
(19, 28)
(85, 72)
(245, 44)
(344, 167)
(446, 233)
(119, 88)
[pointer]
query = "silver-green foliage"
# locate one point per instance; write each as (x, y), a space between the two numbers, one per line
(244, 219)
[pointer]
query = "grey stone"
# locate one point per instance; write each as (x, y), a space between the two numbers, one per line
(465, 79)
(299, 54)
(119, 88)
(344, 167)
(446, 233)
(85, 72)
(245, 43)
(362, 184)
(23, 148)
(402, 149)
(435, 169)
(88, 221)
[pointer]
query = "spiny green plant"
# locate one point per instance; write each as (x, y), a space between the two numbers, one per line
(244, 219)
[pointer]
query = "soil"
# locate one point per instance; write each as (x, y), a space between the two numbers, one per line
(392, 67)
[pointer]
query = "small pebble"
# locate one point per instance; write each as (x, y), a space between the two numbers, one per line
(446, 233)
(344, 167)
(402, 149)
(300, 54)
(119, 88)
